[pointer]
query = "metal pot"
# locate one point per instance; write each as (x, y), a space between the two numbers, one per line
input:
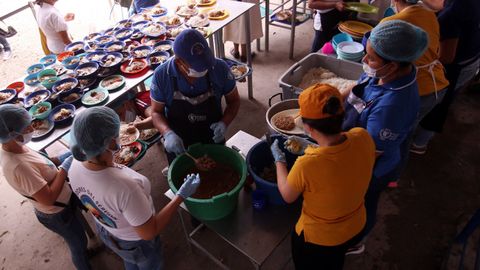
(278, 107)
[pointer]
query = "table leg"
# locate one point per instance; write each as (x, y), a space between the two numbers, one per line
(142, 87)
(219, 48)
(211, 43)
(267, 24)
(292, 33)
(187, 236)
(249, 53)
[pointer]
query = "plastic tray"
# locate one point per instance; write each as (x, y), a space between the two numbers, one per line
(290, 80)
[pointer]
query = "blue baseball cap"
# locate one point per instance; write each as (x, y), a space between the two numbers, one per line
(192, 47)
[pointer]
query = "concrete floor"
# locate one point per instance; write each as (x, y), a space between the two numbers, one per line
(416, 222)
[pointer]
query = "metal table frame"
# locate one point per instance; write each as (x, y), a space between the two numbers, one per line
(273, 224)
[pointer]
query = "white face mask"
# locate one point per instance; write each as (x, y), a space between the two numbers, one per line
(26, 138)
(196, 74)
(371, 72)
(117, 146)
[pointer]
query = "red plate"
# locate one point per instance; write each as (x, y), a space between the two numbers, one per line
(137, 73)
(140, 148)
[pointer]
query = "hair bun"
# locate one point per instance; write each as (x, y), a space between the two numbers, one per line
(332, 106)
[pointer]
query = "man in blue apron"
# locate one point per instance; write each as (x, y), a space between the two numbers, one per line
(186, 95)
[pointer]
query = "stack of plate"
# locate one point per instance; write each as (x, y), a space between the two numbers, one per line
(338, 38)
(355, 29)
(350, 50)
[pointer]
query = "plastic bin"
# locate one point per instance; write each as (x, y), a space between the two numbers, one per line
(290, 80)
(218, 206)
(260, 157)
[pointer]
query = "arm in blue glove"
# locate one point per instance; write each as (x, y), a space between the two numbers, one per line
(173, 143)
(219, 129)
(66, 163)
(189, 186)
(277, 153)
(297, 145)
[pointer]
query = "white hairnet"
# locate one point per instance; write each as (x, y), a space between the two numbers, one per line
(13, 120)
(398, 41)
(92, 132)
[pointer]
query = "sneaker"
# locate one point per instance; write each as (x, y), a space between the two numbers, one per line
(7, 55)
(165, 171)
(358, 249)
(419, 150)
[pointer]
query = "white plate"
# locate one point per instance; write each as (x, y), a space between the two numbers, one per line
(123, 128)
(350, 47)
(298, 130)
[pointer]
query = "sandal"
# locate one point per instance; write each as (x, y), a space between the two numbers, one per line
(235, 55)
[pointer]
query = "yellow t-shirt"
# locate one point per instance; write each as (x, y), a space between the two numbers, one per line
(425, 19)
(333, 181)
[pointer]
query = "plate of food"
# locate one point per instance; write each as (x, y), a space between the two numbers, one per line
(40, 110)
(218, 14)
(206, 31)
(75, 47)
(35, 69)
(187, 10)
(206, 3)
(239, 71)
(153, 29)
(128, 153)
(103, 40)
(95, 97)
(41, 128)
(116, 46)
(134, 67)
(112, 60)
(156, 11)
(163, 46)
(171, 21)
(172, 33)
(48, 60)
(7, 95)
(62, 114)
(60, 69)
(128, 134)
(65, 85)
(71, 97)
(113, 83)
(36, 97)
(148, 134)
(91, 37)
(127, 23)
(137, 35)
(86, 83)
(141, 51)
(200, 20)
(123, 34)
(157, 58)
(95, 56)
(140, 17)
(288, 122)
(87, 70)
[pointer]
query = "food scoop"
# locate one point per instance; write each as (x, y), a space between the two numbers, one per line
(204, 163)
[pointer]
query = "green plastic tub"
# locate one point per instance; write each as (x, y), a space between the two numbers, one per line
(220, 205)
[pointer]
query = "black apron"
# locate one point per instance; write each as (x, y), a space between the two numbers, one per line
(190, 117)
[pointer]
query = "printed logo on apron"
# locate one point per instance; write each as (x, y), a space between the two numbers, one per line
(193, 118)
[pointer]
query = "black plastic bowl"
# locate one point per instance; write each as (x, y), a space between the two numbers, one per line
(90, 75)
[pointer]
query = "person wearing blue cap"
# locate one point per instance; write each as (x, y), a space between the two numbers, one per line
(37, 178)
(186, 93)
(118, 197)
(386, 99)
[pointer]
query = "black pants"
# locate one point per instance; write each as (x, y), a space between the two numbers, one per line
(311, 256)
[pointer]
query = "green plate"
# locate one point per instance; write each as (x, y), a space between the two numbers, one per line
(88, 100)
(361, 7)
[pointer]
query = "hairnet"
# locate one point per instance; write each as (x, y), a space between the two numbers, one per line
(398, 41)
(92, 132)
(13, 120)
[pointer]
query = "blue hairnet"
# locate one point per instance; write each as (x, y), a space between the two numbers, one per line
(92, 132)
(398, 41)
(13, 120)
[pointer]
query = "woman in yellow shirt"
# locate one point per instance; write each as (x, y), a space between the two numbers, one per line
(332, 177)
(431, 79)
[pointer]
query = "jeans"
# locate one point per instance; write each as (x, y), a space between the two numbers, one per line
(5, 44)
(312, 256)
(67, 225)
(375, 188)
(136, 255)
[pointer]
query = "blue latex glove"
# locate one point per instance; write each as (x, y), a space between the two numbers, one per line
(277, 153)
(219, 129)
(66, 163)
(297, 145)
(189, 186)
(64, 156)
(173, 143)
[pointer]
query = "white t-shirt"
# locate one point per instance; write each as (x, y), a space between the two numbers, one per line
(118, 197)
(51, 22)
(29, 172)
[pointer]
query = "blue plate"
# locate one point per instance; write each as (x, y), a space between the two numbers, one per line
(158, 45)
(34, 69)
(71, 62)
(134, 52)
(138, 25)
(45, 94)
(104, 40)
(91, 37)
(13, 95)
(64, 120)
(159, 53)
(123, 34)
(116, 64)
(76, 47)
(93, 65)
(31, 80)
(67, 80)
(109, 47)
(48, 60)
(96, 56)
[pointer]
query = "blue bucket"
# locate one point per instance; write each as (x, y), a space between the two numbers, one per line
(260, 157)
